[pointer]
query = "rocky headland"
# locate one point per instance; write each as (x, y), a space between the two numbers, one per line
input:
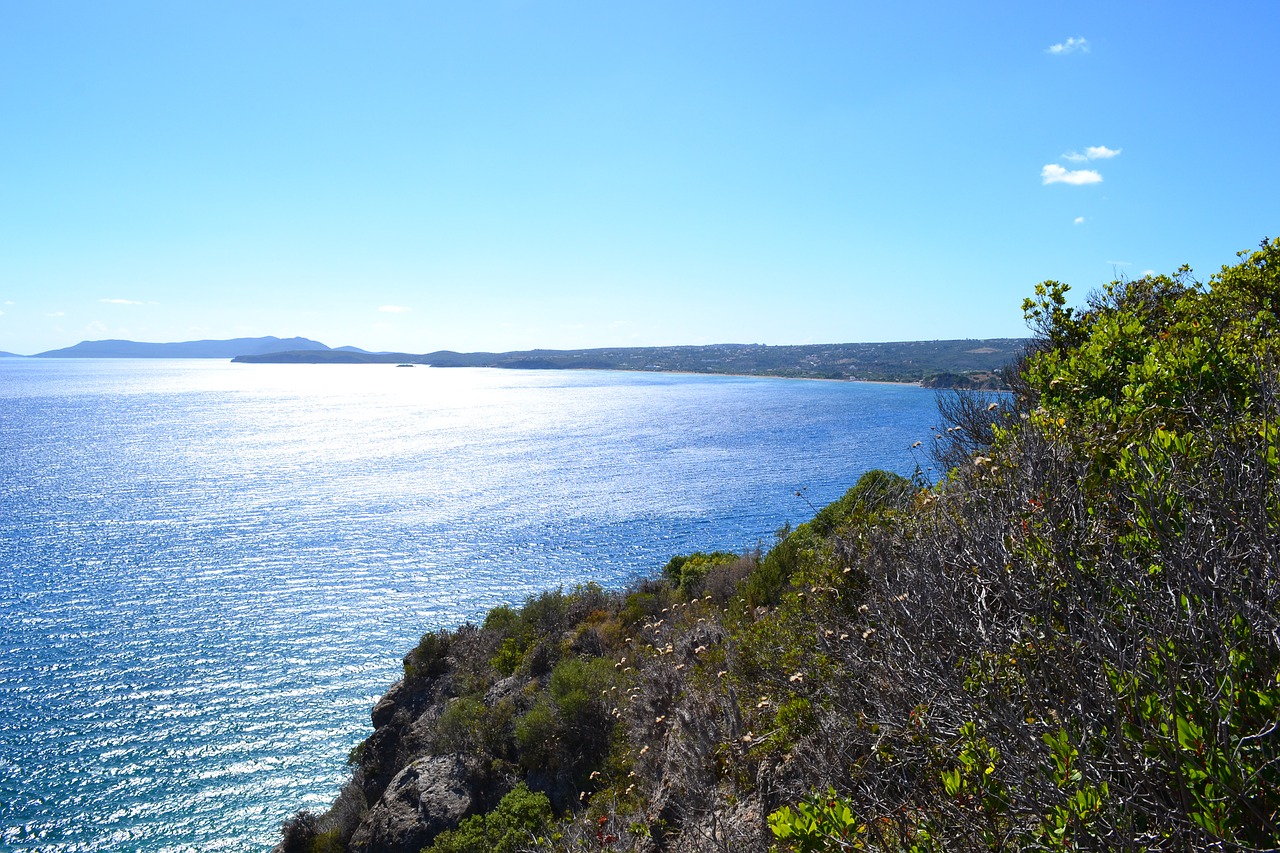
(1070, 641)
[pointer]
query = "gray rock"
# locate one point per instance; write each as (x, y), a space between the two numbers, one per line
(508, 686)
(385, 709)
(431, 795)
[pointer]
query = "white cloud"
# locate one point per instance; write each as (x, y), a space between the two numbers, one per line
(1052, 173)
(120, 301)
(1093, 152)
(1071, 45)
(394, 309)
(96, 326)
(1079, 220)
(1101, 152)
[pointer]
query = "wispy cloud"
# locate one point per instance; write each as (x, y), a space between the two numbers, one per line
(1093, 152)
(1071, 45)
(1079, 220)
(120, 301)
(1052, 173)
(394, 309)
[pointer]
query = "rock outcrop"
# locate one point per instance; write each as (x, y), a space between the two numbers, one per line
(431, 795)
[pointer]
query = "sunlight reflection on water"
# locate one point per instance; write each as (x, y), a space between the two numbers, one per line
(211, 570)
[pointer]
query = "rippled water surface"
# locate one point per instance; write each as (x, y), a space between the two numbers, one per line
(209, 571)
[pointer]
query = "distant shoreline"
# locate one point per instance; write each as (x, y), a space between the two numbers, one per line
(976, 364)
(964, 363)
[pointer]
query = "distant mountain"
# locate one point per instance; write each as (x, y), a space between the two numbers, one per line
(10, 355)
(185, 349)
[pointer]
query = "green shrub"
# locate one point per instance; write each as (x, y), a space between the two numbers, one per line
(818, 824)
(462, 726)
(428, 659)
(686, 572)
(520, 818)
(875, 492)
(538, 734)
(764, 586)
(509, 656)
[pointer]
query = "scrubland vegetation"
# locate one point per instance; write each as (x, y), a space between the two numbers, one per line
(1070, 641)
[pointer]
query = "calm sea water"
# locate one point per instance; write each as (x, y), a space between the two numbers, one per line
(209, 572)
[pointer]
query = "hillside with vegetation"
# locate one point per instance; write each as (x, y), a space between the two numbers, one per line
(1072, 641)
(950, 364)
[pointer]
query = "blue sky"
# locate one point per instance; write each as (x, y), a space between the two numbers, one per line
(507, 175)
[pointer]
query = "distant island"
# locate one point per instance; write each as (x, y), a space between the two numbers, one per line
(186, 349)
(969, 363)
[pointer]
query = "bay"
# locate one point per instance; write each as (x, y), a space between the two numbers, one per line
(211, 571)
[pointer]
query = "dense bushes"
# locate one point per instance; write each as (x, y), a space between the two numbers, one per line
(1076, 639)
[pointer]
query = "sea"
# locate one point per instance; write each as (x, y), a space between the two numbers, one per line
(209, 572)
